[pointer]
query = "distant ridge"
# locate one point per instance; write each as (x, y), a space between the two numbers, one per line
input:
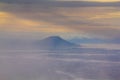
(55, 42)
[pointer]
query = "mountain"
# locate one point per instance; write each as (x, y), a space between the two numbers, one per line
(55, 42)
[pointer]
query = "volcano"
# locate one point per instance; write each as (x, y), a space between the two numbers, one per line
(55, 42)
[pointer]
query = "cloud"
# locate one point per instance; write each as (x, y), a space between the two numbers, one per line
(79, 20)
(66, 3)
(87, 61)
(9, 19)
(22, 1)
(62, 17)
(9, 22)
(103, 46)
(108, 15)
(101, 0)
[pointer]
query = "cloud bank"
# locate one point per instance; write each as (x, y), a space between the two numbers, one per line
(85, 18)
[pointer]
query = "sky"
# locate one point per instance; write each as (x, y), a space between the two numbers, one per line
(36, 19)
(94, 0)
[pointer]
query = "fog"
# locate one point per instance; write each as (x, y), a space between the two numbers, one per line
(78, 64)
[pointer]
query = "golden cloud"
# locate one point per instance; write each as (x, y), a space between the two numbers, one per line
(110, 15)
(9, 22)
(85, 21)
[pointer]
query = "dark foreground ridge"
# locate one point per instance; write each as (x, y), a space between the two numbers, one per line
(55, 42)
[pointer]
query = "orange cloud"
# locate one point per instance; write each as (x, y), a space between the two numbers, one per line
(7, 19)
(62, 20)
(9, 22)
(107, 16)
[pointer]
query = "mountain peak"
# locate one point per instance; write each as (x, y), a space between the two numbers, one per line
(54, 37)
(55, 42)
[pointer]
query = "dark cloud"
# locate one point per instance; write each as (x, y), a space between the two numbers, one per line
(56, 3)
(23, 1)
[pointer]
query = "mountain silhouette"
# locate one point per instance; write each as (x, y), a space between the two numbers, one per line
(55, 42)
